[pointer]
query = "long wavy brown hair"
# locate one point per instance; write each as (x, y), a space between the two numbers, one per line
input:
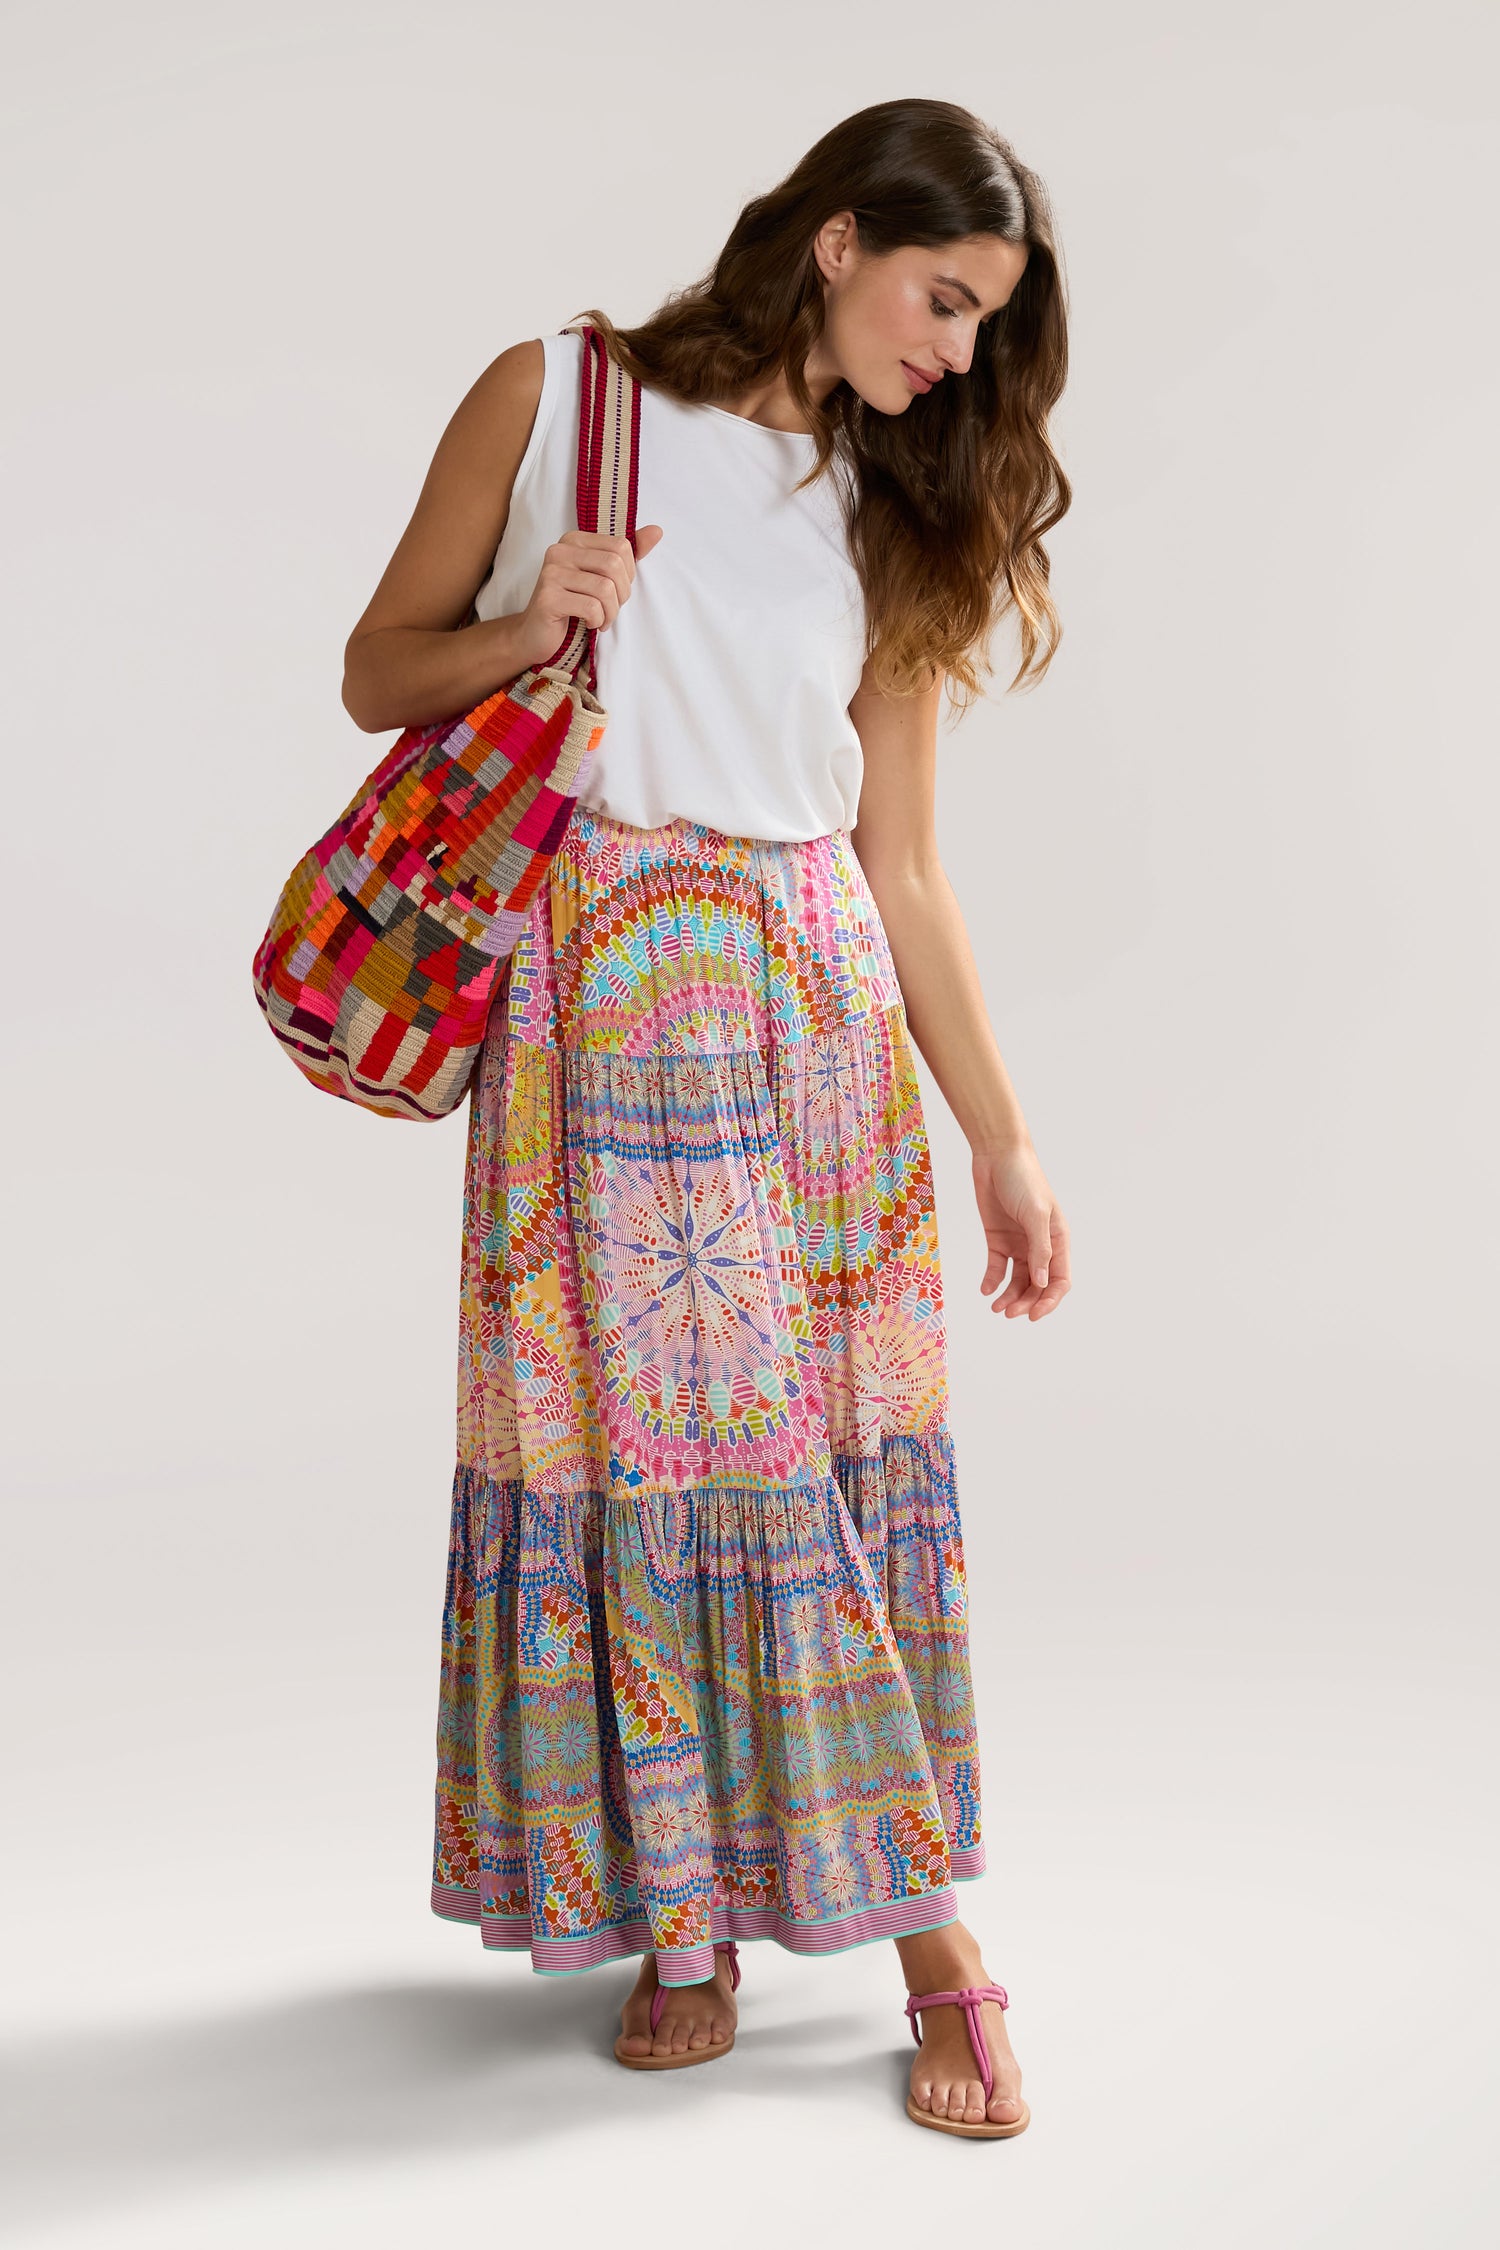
(946, 504)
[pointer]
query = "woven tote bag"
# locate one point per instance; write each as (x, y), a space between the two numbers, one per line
(381, 959)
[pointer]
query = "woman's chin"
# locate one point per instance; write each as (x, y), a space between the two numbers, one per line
(888, 401)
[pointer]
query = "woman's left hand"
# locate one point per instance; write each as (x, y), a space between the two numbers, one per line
(1023, 1226)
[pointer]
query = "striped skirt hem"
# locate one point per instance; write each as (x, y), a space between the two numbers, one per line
(566, 1956)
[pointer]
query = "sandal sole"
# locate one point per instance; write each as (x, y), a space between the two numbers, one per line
(674, 2062)
(966, 2132)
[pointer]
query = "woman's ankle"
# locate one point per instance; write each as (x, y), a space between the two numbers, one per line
(934, 1960)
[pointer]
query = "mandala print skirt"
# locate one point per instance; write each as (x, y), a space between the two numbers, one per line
(705, 1667)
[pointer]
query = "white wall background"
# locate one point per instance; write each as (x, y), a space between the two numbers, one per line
(1230, 877)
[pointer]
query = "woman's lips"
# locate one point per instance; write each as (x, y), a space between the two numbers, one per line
(923, 382)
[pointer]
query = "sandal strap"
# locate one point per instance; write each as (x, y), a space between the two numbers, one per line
(970, 1998)
(659, 1996)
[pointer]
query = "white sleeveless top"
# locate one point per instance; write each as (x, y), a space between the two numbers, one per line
(729, 671)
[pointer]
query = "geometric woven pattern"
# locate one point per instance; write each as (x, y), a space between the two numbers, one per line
(378, 968)
(705, 1660)
(379, 965)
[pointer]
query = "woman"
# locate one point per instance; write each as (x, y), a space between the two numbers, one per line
(705, 1664)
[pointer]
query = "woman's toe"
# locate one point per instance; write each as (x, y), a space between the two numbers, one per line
(1004, 2109)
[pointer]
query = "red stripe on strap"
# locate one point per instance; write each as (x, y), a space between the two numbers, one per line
(596, 435)
(585, 418)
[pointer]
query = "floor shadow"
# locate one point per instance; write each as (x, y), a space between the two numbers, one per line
(111, 2118)
(115, 2118)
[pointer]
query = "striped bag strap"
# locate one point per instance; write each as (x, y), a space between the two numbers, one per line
(609, 444)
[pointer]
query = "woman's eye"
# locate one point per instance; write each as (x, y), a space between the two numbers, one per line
(939, 307)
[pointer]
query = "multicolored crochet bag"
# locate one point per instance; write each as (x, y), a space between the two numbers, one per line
(381, 959)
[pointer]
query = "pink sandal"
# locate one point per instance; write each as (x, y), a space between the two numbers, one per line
(969, 1999)
(710, 2053)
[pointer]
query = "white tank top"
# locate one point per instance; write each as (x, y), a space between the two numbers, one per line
(728, 673)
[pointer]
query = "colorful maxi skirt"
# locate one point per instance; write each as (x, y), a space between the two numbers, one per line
(705, 1666)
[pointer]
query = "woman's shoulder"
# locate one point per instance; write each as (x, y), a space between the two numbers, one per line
(514, 380)
(503, 418)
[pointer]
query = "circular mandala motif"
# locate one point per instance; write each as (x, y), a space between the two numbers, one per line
(690, 1320)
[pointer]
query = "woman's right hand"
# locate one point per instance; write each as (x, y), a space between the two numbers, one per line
(585, 574)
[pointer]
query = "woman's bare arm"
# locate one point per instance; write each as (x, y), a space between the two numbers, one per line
(411, 659)
(896, 841)
(407, 662)
(896, 844)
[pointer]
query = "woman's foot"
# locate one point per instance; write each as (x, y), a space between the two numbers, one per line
(692, 2015)
(945, 2077)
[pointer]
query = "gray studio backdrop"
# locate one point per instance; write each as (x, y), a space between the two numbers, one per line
(1229, 875)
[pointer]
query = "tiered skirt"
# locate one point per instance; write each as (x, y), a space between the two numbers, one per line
(705, 1667)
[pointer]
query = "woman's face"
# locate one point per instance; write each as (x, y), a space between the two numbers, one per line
(891, 320)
